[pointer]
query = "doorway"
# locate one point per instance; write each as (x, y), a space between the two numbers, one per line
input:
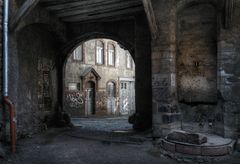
(90, 99)
(127, 96)
(111, 98)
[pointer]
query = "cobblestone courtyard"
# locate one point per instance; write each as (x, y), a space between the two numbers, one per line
(103, 124)
(95, 141)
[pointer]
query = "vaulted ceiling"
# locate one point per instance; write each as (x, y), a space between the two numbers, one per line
(92, 10)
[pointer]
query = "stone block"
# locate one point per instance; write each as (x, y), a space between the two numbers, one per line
(215, 151)
(185, 149)
(183, 136)
(168, 146)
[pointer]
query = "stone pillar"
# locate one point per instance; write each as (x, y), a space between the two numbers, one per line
(143, 74)
(166, 115)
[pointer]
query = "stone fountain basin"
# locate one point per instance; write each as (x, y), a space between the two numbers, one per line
(214, 146)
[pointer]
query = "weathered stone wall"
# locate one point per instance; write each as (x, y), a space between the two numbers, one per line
(37, 71)
(166, 114)
(33, 66)
(194, 45)
(197, 54)
(229, 73)
(74, 68)
(197, 66)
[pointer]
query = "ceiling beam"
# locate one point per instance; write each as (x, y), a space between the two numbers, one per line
(22, 12)
(102, 15)
(151, 17)
(72, 3)
(96, 9)
(87, 5)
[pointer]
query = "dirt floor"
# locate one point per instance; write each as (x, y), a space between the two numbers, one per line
(82, 145)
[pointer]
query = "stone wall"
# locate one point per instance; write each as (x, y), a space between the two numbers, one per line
(197, 54)
(197, 67)
(195, 78)
(229, 73)
(166, 115)
(37, 87)
(33, 66)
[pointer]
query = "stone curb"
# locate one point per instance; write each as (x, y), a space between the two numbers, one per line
(220, 150)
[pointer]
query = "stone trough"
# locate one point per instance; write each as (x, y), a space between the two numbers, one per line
(197, 144)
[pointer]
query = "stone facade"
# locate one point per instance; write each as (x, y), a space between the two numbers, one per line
(107, 73)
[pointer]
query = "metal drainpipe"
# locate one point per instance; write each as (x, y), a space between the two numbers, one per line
(6, 98)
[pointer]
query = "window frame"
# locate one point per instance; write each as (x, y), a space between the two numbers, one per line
(82, 54)
(114, 54)
(128, 56)
(96, 52)
(114, 88)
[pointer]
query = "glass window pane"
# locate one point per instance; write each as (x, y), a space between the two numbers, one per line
(111, 55)
(99, 55)
(129, 61)
(111, 89)
(77, 53)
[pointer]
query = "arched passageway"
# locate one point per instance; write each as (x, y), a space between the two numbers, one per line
(99, 82)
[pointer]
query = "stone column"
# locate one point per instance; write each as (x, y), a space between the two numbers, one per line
(166, 115)
(143, 74)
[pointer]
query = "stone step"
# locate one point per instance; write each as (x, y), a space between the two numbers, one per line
(185, 137)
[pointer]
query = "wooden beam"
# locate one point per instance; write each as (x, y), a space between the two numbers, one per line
(88, 5)
(80, 18)
(151, 17)
(110, 19)
(57, 2)
(23, 11)
(99, 8)
(71, 4)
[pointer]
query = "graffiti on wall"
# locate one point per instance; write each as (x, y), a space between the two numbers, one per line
(75, 99)
(101, 100)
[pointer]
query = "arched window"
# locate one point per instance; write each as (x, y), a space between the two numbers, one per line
(111, 89)
(129, 61)
(111, 55)
(99, 52)
(77, 53)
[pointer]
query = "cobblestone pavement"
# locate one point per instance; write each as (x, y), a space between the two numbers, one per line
(103, 124)
(58, 147)
(97, 141)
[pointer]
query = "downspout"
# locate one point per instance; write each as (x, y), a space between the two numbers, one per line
(6, 98)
